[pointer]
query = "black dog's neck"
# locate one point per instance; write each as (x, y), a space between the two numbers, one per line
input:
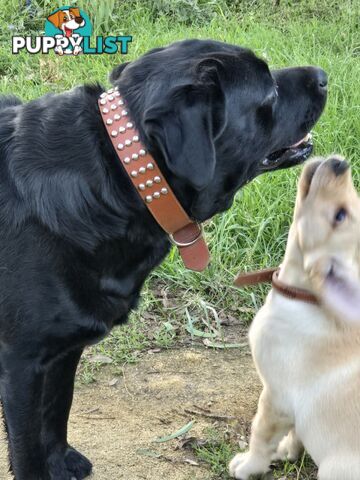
(137, 105)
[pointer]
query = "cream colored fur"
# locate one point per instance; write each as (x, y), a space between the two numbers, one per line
(308, 356)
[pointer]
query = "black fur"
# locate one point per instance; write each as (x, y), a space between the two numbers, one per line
(76, 241)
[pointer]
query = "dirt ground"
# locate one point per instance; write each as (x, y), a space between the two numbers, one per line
(115, 421)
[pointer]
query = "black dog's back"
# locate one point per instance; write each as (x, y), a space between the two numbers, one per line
(9, 101)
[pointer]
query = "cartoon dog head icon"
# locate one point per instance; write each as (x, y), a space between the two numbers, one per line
(67, 20)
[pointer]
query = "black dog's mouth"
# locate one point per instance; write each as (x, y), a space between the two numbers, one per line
(291, 156)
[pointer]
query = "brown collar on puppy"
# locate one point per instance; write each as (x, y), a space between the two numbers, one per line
(272, 275)
(150, 183)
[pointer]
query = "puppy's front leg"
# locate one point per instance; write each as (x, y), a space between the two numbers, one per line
(268, 428)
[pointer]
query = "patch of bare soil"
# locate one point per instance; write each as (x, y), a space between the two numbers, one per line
(115, 421)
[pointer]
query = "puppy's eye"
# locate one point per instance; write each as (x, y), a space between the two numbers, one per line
(340, 216)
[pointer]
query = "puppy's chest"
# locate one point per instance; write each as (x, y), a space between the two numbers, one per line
(283, 337)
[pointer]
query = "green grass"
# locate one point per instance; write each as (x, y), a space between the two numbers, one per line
(253, 233)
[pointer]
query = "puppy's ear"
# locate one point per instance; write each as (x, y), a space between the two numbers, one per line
(75, 11)
(184, 126)
(56, 18)
(116, 72)
(338, 287)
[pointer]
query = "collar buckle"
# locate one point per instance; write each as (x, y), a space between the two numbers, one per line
(182, 244)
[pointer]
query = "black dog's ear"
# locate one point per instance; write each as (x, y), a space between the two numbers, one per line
(184, 126)
(117, 71)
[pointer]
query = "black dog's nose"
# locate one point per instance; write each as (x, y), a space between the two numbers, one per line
(322, 78)
(338, 166)
(79, 20)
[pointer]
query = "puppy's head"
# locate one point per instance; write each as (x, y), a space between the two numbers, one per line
(327, 221)
(67, 20)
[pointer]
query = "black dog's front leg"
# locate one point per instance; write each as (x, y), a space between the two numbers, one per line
(57, 400)
(21, 390)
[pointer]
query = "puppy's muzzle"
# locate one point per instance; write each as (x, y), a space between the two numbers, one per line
(339, 167)
(79, 20)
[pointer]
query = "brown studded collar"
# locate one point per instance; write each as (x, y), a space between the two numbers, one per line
(272, 275)
(150, 183)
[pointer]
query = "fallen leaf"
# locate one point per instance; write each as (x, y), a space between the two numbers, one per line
(209, 343)
(113, 382)
(148, 453)
(100, 359)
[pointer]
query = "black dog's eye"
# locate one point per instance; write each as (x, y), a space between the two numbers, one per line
(340, 216)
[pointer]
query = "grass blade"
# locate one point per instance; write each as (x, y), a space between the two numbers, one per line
(186, 428)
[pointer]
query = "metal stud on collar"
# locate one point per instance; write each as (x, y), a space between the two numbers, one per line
(109, 97)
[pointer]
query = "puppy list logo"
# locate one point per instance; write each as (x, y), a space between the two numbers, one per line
(68, 32)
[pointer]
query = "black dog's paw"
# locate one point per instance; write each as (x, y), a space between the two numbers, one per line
(77, 464)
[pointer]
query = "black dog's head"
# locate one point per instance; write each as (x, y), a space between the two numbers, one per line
(214, 116)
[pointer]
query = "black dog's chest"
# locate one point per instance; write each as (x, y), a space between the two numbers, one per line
(107, 295)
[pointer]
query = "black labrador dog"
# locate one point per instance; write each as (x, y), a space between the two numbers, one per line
(77, 242)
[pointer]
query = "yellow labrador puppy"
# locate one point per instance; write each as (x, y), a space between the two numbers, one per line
(308, 355)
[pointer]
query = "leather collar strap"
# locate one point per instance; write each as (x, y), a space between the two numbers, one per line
(272, 275)
(150, 183)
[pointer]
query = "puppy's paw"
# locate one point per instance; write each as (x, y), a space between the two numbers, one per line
(77, 464)
(77, 50)
(243, 465)
(290, 448)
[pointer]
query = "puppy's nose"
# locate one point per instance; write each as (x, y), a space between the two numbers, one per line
(322, 78)
(78, 20)
(338, 166)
